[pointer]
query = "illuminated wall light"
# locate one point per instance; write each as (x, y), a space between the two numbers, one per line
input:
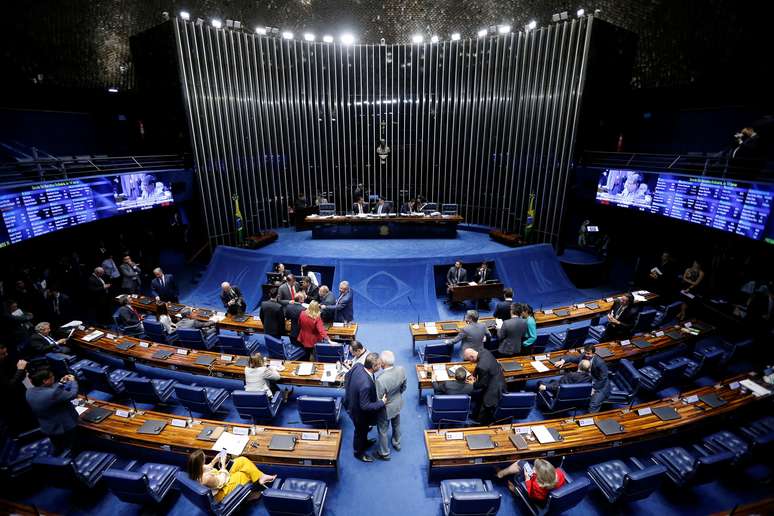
(504, 29)
(260, 30)
(455, 36)
(347, 38)
(482, 33)
(433, 39)
(531, 25)
(287, 35)
(113, 90)
(217, 23)
(581, 13)
(328, 38)
(308, 36)
(185, 15)
(417, 38)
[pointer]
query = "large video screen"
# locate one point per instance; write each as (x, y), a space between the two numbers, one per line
(33, 210)
(736, 207)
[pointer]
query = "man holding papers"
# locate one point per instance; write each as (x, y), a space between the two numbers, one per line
(582, 375)
(600, 381)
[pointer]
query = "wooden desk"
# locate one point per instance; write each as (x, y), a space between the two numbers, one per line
(251, 325)
(218, 367)
(323, 453)
(20, 509)
(461, 293)
(385, 226)
(577, 312)
(528, 371)
(443, 453)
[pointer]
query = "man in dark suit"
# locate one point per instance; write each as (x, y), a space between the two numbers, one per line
(582, 375)
(14, 409)
(456, 386)
(164, 286)
(381, 207)
(287, 291)
(99, 295)
(621, 319)
(511, 333)
(327, 299)
(232, 298)
(473, 334)
(456, 275)
(50, 402)
(502, 309)
(129, 321)
(311, 293)
(343, 310)
(130, 273)
(488, 383)
(483, 273)
(293, 312)
(272, 314)
(359, 207)
(58, 307)
(41, 342)
(361, 403)
(600, 375)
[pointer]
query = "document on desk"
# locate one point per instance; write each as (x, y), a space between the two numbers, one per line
(232, 443)
(431, 328)
(439, 373)
(93, 336)
(329, 373)
(306, 369)
(542, 434)
(539, 366)
(756, 389)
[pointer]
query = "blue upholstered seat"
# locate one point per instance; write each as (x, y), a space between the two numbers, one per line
(696, 466)
(17, 453)
(436, 353)
(448, 408)
(195, 339)
(206, 400)
(668, 313)
(572, 338)
(316, 410)
(236, 344)
(559, 500)
(257, 405)
(329, 352)
(760, 432)
(282, 349)
(156, 332)
(103, 379)
(143, 483)
(145, 390)
(469, 497)
(645, 320)
(295, 497)
(624, 382)
(728, 441)
(569, 397)
(514, 405)
(85, 470)
(619, 482)
(201, 496)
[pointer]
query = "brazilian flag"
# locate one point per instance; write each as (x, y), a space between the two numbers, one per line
(238, 222)
(529, 227)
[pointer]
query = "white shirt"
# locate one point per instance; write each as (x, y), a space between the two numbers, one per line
(166, 322)
(361, 359)
(256, 377)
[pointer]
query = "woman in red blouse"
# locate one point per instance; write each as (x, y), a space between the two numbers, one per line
(539, 482)
(310, 327)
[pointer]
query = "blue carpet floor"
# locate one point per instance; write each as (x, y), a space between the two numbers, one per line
(401, 487)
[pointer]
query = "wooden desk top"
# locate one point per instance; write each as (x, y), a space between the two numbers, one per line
(383, 219)
(188, 363)
(251, 325)
(576, 439)
(619, 351)
(321, 453)
(419, 332)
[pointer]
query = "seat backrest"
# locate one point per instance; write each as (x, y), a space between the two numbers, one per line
(451, 403)
(56, 470)
(232, 344)
(250, 401)
(438, 352)
(710, 467)
(474, 504)
(576, 336)
(567, 496)
(671, 312)
(574, 392)
(330, 353)
(645, 320)
(316, 405)
(191, 396)
(629, 374)
(97, 377)
(282, 502)
(196, 493)
(641, 483)
(515, 405)
(191, 337)
(155, 331)
(140, 389)
(275, 347)
(128, 486)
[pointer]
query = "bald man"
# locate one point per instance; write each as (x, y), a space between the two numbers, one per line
(232, 298)
(488, 383)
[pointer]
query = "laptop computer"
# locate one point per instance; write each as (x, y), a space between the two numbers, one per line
(240, 318)
(603, 352)
(609, 426)
(561, 313)
(210, 433)
(152, 427)
(125, 345)
(204, 360)
(712, 399)
(96, 414)
(592, 306)
(162, 354)
(640, 343)
(666, 413)
(674, 335)
(509, 367)
(479, 442)
(282, 443)
(241, 362)
(518, 441)
(449, 327)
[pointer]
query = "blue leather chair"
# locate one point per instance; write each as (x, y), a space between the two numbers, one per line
(17, 453)
(257, 405)
(156, 332)
(133, 330)
(690, 366)
(469, 497)
(295, 497)
(205, 400)
(760, 432)
(330, 353)
(319, 409)
(619, 482)
(514, 405)
(236, 345)
(645, 320)
(282, 349)
(728, 441)
(624, 382)
(141, 483)
(448, 408)
(436, 353)
(655, 377)
(84, 470)
(668, 313)
(194, 338)
(105, 380)
(572, 338)
(75, 369)
(699, 466)
(569, 397)
(145, 390)
(201, 496)
(716, 349)
(539, 345)
(559, 500)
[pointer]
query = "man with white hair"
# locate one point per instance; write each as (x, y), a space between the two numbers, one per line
(232, 298)
(391, 382)
(42, 342)
(343, 311)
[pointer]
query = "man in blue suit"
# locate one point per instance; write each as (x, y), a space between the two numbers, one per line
(361, 403)
(164, 286)
(343, 310)
(50, 402)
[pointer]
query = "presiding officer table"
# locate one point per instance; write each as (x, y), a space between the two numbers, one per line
(384, 226)
(639, 423)
(321, 451)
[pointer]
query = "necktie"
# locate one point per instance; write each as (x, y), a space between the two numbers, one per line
(162, 281)
(458, 275)
(292, 292)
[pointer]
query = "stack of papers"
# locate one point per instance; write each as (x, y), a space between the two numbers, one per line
(306, 369)
(217, 318)
(232, 443)
(756, 389)
(431, 328)
(539, 366)
(93, 336)
(329, 373)
(542, 434)
(439, 373)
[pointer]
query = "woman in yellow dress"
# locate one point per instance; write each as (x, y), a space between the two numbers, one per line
(222, 481)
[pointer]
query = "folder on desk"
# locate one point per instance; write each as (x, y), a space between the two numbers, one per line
(603, 352)
(666, 413)
(240, 318)
(210, 433)
(96, 414)
(641, 343)
(539, 366)
(449, 327)
(542, 434)
(162, 354)
(509, 367)
(609, 426)
(282, 443)
(592, 306)
(242, 362)
(145, 301)
(712, 399)
(305, 369)
(518, 441)
(561, 313)
(674, 335)
(479, 442)
(152, 427)
(555, 360)
(125, 345)
(204, 360)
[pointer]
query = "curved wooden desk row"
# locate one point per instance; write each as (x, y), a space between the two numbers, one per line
(187, 362)
(322, 452)
(664, 338)
(554, 317)
(251, 324)
(443, 452)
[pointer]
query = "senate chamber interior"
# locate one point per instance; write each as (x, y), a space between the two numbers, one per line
(386, 258)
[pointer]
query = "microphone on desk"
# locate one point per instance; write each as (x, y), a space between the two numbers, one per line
(414, 307)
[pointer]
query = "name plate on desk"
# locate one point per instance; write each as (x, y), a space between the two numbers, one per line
(181, 351)
(454, 436)
(626, 342)
(659, 334)
(226, 358)
(338, 325)
(609, 299)
(540, 357)
(310, 436)
(587, 421)
(144, 344)
(548, 312)
(691, 399)
(179, 423)
(122, 413)
(240, 430)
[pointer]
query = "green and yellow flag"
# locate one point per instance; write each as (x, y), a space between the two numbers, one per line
(529, 227)
(238, 223)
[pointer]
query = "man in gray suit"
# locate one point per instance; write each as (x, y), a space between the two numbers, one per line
(472, 334)
(392, 382)
(130, 273)
(50, 402)
(511, 333)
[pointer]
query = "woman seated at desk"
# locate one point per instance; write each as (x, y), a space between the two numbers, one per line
(222, 481)
(538, 482)
(162, 316)
(260, 377)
